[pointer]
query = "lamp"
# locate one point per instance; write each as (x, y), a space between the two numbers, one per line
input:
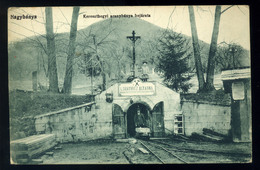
(109, 97)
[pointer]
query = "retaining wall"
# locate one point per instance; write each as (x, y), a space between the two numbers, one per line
(80, 123)
(211, 115)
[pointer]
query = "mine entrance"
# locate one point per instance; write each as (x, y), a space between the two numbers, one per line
(133, 120)
(124, 123)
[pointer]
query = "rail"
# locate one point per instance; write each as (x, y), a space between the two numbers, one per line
(64, 110)
(162, 148)
(202, 151)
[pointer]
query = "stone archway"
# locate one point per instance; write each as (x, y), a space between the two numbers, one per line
(137, 99)
(131, 113)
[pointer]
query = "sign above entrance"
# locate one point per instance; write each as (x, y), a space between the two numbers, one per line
(136, 87)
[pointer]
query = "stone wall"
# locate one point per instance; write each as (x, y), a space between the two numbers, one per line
(198, 115)
(170, 99)
(80, 123)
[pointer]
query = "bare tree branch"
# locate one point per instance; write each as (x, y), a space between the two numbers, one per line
(170, 16)
(28, 29)
(105, 37)
(240, 9)
(226, 9)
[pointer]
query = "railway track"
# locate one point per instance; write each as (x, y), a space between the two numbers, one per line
(162, 154)
(165, 153)
(183, 149)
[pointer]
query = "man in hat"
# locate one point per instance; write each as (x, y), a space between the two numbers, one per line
(145, 71)
(139, 118)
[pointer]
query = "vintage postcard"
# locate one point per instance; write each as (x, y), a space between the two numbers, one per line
(129, 84)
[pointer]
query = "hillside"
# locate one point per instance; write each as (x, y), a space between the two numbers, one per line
(27, 55)
(23, 55)
(25, 105)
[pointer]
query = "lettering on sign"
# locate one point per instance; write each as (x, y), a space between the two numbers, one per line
(136, 87)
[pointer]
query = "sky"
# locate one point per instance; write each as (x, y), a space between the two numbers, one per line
(234, 23)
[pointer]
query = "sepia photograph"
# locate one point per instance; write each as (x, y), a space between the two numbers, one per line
(130, 85)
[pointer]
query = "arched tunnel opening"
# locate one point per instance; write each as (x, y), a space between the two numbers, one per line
(132, 118)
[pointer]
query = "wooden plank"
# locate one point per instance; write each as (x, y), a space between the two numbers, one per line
(19, 153)
(37, 161)
(24, 149)
(24, 146)
(16, 157)
(29, 138)
(24, 143)
(23, 139)
(235, 74)
(64, 110)
(18, 146)
(211, 132)
(49, 153)
(28, 154)
(182, 136)
(122, 140)
(39, 144)
(57, 147)
(205, 137)
(22, 161)
(41, 150)
(143, 150)
(158, 138)
(41, 138)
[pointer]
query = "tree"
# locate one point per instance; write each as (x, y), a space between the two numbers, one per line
(120, 59)
(196, 49)
(71, 51)
(228, 56)
(209, 85)
(88, 65)
(101, 49)
(173, 61)
(52, 67)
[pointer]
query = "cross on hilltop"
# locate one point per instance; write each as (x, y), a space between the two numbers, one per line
(133, 39)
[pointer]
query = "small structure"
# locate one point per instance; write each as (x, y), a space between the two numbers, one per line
(112, 114)
(238, 83)
(158, 103)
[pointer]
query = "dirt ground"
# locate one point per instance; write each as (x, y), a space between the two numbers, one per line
(92, 152)
(112, 152)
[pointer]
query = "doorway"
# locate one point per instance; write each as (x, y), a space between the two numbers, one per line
(131, 114)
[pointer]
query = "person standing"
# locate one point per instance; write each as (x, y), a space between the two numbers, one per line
(139, 119)
(145, 71)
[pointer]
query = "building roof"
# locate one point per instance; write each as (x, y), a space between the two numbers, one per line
(236, 74)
